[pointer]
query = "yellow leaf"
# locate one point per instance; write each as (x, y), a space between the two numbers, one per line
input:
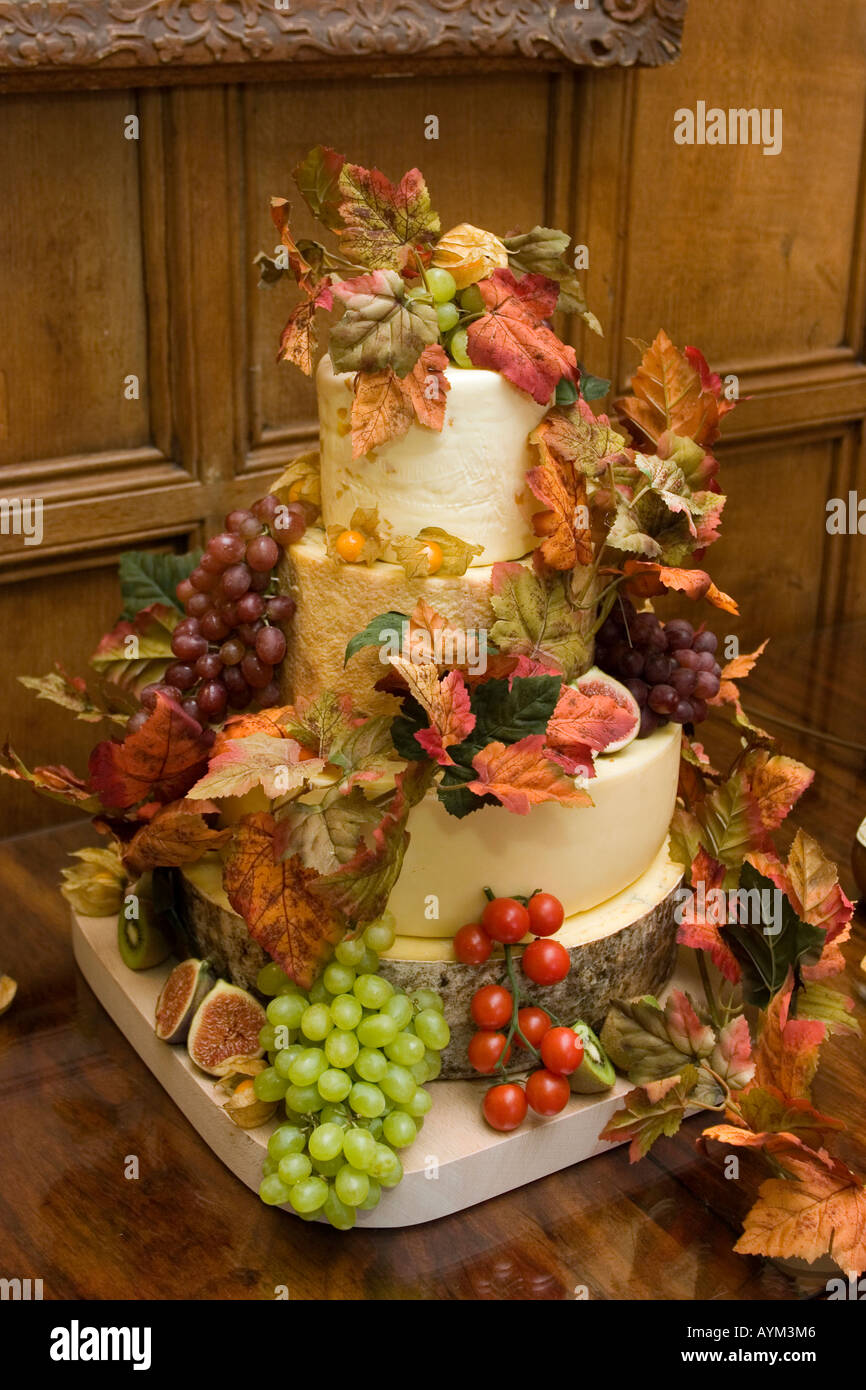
(469, 254)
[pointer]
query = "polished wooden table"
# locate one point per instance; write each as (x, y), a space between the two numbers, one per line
(77, 1102)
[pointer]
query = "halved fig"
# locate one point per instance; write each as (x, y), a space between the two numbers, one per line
(181, 995)
(611, 714)
(225, 1029)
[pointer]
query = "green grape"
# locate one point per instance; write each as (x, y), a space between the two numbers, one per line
(420, 1071)
(269, 1085)
(379, 935)
(284, 1059)
(419, 292)
(268, 1037)
(326, 1141)
(386, 1167)
(341, 1048)
(372, 1198)
(289, 987)
(433, 1063)
(335, 1115)
(471, 300)
(338, 978)
(341, 1217)
(293, 1167)
(373, 1126)
(350, 951)
(273, 1190)
(309, 1194)
(316, 1022)
(328, 1167)
(359, 1148)
(447, 314)
(369, 962)
(372, 991)
(334, 1085)
(366, 1100)
(286, 1010)
(304, 1100)
(419, 1105)
(457, 346)
(398, 1083)
(376, 1030)
(351, 1185)
(270, 978)
(427, 999)
(432, 1029)
(346, 1011)
(400, 1129)
(306, 1069)
(370, 1064)
(399, 1007)
(269, 1166)
(405, 1049)
(441, 284)
(286, 1139)
(319, 993)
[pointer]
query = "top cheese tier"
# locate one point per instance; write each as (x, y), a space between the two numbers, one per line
(468, 480)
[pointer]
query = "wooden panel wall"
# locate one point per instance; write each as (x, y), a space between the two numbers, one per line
(134, 257)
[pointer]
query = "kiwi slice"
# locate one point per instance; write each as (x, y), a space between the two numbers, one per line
(595, 1072)
(139, 939)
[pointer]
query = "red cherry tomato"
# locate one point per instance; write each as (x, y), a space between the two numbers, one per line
(504, 1107)
(546, 914)
(472, 945)
(545, 962)
(506, 920)
(547, 1093)
(533, 1024)
(561, 1051)
(491, 1006)
(486, 1051)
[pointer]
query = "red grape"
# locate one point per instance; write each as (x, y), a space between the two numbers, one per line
(262, 553)
(212, 563)
(250, 527)
(198, 604)
(209, 666)
(250, 607)
(270, 645)
(184, 591)
(290, 524)
(247, 632)
(187, 625)
(706, 685)
(181, 675)
(232, 651)
(657, 669)
(236, 581)
(214, 626)
(649, 721)
(229, 549)
(662, 699)
(270, 696)
(705, 642)
(212, 698)
(679, 633)
(685, 657)
(632, 662)
(683, 712)
(260, 581)
(255, 672)
(201, 580)
(706, 662)
(235, 519)
(266, 508)
(136, 721)
(281, 609)
(188, 646)
(639, 689)
(191, 708)
(683, 681)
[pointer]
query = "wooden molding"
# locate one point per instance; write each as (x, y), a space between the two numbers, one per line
(168, 41)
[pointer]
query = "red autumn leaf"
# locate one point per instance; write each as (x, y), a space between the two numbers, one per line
(557, 484)
(160, 762)
(383, 223)
(307, 275)
(426, 387)
(520, 776)
(775, 783)
(695, 584)
(512, 338)
(298, 340)
(703, 915)
(669, 395)
(56, 781)
(710, 381)
(591, 719)
(819, 1208)
(296, 929)
(176, 834)
(810, 881)
(787, 1053)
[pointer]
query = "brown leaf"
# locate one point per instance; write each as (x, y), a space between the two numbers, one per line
(177, 834)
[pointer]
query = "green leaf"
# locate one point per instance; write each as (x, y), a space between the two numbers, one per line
(767, 947)
(535, 618)
(507, 716)
(635, 1037)
(318, 179)
(326, 835)
(380, 328)
(653, 1111)
(828, 1006)
(374, 633)
(566, 392)
(150, 576)
(542, 252)
(592, 388)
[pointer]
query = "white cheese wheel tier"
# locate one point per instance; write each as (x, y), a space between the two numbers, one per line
(584, 855)
(469, 479)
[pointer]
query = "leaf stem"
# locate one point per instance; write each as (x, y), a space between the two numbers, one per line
(708, 990)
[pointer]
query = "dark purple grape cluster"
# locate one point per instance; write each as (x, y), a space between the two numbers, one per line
(670, 669)
(233, 634)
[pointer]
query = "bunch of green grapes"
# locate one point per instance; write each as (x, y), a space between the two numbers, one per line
(349, 1058)
(453, 311)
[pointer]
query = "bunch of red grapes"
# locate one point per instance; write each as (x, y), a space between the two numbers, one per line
(233, 636)
(670, 669)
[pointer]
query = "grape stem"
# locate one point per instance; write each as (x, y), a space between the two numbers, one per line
(518, 1002)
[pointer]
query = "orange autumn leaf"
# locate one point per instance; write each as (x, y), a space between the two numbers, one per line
(445, 702)
(385, 405)
(160, 762)
(176, 834)
(703, 916)
(426, 387)
(787, 1053)
(776, 782)
(589, 718)
(695, 584)
(266, 721)
(562, 489)
(819, 1209)
(520, 776)
(669, 395)
(811, 883)
(295, 928)
(740, 666)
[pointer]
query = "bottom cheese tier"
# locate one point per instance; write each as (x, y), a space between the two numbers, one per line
(622, 948)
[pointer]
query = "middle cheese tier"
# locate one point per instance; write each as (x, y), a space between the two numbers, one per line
(336, 600)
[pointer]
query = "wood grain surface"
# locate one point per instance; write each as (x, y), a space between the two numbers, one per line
(77, 1101)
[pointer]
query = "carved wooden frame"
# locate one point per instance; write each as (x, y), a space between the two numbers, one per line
(70, 43)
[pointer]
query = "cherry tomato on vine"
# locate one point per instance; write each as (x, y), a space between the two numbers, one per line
(472, 945)
(491, 1006)
(486, 1050)
(561, 1051)
(533, 1024)
(545, 962)
(547, 1093)
(546, 914)
(506, 920)
(504, 1107)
